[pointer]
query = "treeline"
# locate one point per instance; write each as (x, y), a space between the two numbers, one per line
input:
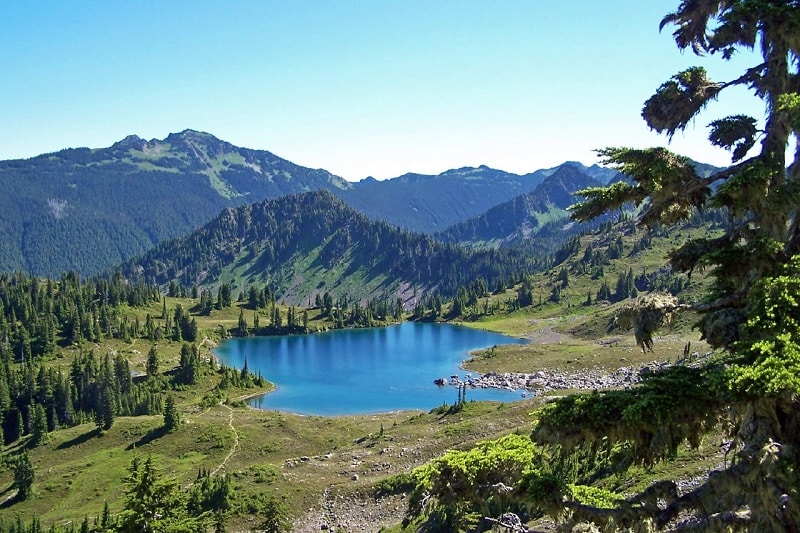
(38, 317)
(36, 399)
(36, 314)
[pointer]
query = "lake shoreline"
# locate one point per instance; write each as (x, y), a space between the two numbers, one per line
(361, 371)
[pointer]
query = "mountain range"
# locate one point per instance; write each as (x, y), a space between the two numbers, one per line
(89, 210)
(539, 214)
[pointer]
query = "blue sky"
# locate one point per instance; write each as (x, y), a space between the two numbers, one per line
(359, 88)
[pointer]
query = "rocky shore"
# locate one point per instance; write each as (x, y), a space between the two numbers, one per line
(541, 382)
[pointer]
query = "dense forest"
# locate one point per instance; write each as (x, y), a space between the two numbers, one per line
(89, 210)
(39, 318)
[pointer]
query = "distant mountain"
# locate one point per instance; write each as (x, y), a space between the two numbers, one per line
(305, 244)
(90, 209)
(602, 174)
(541, 213)
(87, 210)
(432, 203)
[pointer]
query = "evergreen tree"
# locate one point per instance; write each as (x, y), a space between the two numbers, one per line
(604, 292)
(172, 418)
(224, 296)
(23, 476)
(153, 503)
(151, 366)
(751, 310)
(106, 522)
(107, 397)
(39, 425)
(563, 278)
(242, 326)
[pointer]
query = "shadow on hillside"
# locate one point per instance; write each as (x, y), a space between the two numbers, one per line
(8, 501)
(148, 438)
(80, 439)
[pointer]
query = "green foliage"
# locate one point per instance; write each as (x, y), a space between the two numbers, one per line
(595, 497)
(38, 426)
(319, 236)
(668, 181)
(272, 512)
(398, 484)
(752, 308)
(172, 417)
(678, 100)
(155, 503)
(774, 371)
(770, 343)
(452, 488)
(89, 210)
(151, 366)
(736, 133)
(669, 407)
(210, 494)
(599, 200)
(23, 476)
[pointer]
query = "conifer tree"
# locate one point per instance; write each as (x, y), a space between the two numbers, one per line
(751, 312)
(172, 418)
(38, 425)
(23, 476)
(151, 366)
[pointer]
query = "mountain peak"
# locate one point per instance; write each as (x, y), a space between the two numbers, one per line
(130, 142)
(192, 135)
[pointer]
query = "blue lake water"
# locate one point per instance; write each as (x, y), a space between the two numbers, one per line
(363, 370)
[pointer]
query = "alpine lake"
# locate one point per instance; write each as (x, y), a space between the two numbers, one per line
(358, 371)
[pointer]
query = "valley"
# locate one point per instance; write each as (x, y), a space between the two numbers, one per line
(656, 296)
(324, 471)
(310, 471)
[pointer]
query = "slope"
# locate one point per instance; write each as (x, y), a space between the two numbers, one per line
(429, 203)
(305, 244)
(540, 214)
(87, 210)
(433, 203)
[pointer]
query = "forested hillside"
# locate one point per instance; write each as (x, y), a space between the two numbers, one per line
(306, 244)
(88, 210)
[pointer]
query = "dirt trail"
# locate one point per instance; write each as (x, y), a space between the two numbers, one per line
(235, 445)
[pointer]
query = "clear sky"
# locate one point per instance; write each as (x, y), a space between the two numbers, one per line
(360, 88)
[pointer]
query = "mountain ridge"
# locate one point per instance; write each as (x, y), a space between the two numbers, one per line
(307, 243)
(88, 209)
(526, 216)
